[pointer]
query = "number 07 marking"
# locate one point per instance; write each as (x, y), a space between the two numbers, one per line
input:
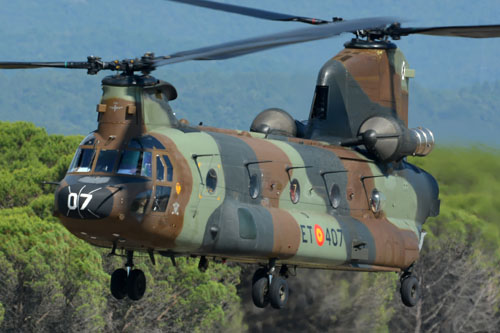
(74, 199)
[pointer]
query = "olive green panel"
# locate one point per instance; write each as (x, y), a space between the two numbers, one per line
(201, 203)
(130, 94)
(157, 112)
(401, 66)
(309, 199)
(399, 200)
(333, 248)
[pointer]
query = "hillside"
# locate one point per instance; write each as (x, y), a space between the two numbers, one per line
(64, 103)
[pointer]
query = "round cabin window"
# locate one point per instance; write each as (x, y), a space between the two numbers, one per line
(376, 201)
(211, 180)
(295, 191)
(335, 195)
(254, 186)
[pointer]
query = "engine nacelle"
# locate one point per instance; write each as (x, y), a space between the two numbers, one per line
(274, 121)
(389, 140)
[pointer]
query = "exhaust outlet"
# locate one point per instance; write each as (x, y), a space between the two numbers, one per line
(424, 140)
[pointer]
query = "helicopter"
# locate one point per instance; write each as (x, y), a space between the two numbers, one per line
(334, 192)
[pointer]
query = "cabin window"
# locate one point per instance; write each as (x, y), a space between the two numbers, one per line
(376, 201)
(211, 180)
(162, 195)
(82, 162)
(254, 186)
(335, 195)
(106, 160)
(295, 191)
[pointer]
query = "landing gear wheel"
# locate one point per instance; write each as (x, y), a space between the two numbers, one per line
(119, 283)
(260, 292)
(136, 284)
(260, 273)
(278, 293)
(410, 291)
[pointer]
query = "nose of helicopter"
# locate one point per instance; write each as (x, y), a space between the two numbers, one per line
(86, 201)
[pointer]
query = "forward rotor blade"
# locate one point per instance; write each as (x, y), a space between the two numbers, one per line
(61, 64)
(473, 31)
(247, 11)
(250, 45)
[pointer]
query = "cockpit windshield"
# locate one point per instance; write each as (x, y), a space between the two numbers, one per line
(82, 162)
(106, 160)
(133, 162)
(137, 159)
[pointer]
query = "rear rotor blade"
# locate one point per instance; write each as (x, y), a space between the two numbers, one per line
(473, 31)
(250, 45)
(247, 11)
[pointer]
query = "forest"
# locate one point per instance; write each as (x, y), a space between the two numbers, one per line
(52, 281)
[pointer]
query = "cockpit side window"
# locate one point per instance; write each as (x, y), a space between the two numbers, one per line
(160, 202)
(106, 160)
(170, 168)
(82, 162)
(160, 169)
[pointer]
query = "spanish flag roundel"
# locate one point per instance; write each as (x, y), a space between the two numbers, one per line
(320, 235)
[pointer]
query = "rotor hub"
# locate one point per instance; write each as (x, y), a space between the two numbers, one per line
(356, 43)
(125, 80)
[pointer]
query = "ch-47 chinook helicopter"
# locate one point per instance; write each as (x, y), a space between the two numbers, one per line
(335, 192)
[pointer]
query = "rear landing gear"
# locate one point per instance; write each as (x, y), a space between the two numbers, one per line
(268, 287)
(278, 293)
(128, 282)
(410, 289)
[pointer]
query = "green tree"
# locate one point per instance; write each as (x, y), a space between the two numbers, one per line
(179, 299)
(51, 281)
(29, 156)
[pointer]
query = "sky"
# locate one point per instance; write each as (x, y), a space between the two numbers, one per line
(73, 29)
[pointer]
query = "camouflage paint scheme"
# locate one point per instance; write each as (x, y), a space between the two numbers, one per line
(321, 230)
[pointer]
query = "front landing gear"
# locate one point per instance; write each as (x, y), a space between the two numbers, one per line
(128, 282)
(136, 284)
(119, 283)
(268, 288)
(410, 289)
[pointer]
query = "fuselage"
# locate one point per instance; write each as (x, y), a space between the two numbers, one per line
(242, 196)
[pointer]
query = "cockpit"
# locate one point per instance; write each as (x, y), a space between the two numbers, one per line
(144, 158)
(135, 159)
